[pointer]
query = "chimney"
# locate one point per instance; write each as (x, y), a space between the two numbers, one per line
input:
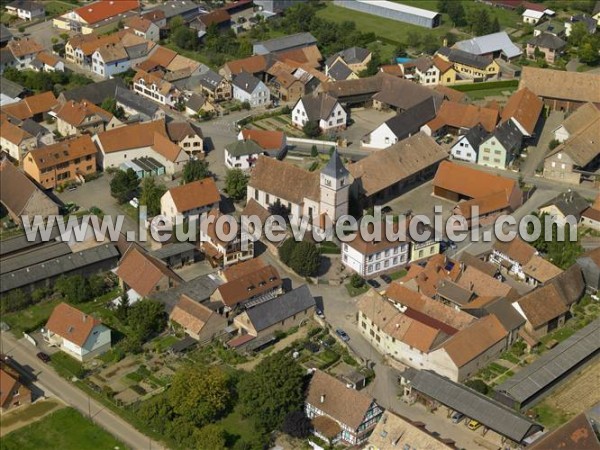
(322, 398)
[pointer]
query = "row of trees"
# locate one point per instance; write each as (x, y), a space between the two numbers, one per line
(46, 81)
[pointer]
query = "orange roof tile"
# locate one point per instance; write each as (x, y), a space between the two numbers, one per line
(190, 314)
(105, 9)
(31, 106)
(142, 272)
(196, 194)
(71, 324)
(462, 115)
(392, 69)
(24, 46)
(525, 107)
(252, 64)
(48, 59)
(268, 140)
(132, 136)
(163, 146)
(61, 152)
(75, 113)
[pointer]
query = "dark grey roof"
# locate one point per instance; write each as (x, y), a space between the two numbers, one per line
(34, 128)
(411, 120)
(590, 268)
(589, 22)
(62, 265)
(462, 57)
(26, 5)
(569, 203)
(137, 51)
(506, 314)
(551, 26)
(5, 34)
(246, 82)
(95, 92)
(552, 365)
(472, 404)
(22, 243)
(288, 42)
(199, 289)
(454, 292)
(476, 135)
(210, 79)
(6, 56)
(339, 71)
(244, 147)
(131, 100)
(352, 55)
(319, 106)
(174, 8)
(508, 135)
(280, 308)
(335, 168)
(176, 248)
(34, 256)
(196, 101)
(10, 88)
(547, 40)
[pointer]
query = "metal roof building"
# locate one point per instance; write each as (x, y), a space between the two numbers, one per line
(537, 379)
(490, 413)
(394, 11)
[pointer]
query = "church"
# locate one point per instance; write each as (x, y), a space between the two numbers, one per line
(321, 196)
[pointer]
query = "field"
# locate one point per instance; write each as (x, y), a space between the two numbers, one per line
(65, 429)
(57, 8)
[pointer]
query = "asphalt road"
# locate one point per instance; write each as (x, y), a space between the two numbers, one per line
(53, 384)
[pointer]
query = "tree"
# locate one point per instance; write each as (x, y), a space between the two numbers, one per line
(588, 50)
(314, 151)
(212, 436)
(110, 104)
(151, 194)
(246, 105)
(146, 318)
(15, 300)
(296, 424)
(356, 281)
(578, 33)
(553, 144)
(122, 308)
(306, 259)
(443, 6)
(156, 412)
(286, 250)
(413, 39)
(372, 66)
(185, 38)
(311, 129)
(201, 394)
(456, 11)
(272, 390)
(124, 185)
(236, 184)
(195, 170)
(279, 209)
(495, 26)
(75, 289)
(480, 22)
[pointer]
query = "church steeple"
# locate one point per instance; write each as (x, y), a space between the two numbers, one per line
(335, 186)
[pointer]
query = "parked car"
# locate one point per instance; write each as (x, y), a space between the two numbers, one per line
(373, 283)
(43, 357)
(452, 245)
(73, 187)
(457, 417)
(342, 334)
(473, 424)
(319, 313)
(386, 279)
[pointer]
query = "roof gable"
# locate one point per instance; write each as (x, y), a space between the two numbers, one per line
(71, 324)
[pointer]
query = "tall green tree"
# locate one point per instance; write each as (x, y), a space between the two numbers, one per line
(124, 185)
(75, 289)
(456, 12)
(311, 129)
(195, 170)
(146, 318)
(236, 184)
(286, 250)
(151, 194)
(305, 259)
(212, 436)
(578, 33)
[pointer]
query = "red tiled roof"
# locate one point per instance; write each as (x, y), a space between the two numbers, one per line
(195, 195)
(71, 324)
(142, 272)
(104, 9)
(268, 140)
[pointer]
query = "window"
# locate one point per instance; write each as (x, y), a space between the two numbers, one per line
(255, 194)
(458, 152)
(267, 198)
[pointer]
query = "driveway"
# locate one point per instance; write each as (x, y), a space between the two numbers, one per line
(536, 154)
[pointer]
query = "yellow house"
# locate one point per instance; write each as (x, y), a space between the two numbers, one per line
(424, 250)
(447, 72)
(478, 68)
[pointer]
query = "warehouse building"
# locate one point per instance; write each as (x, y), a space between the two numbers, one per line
(394, 11)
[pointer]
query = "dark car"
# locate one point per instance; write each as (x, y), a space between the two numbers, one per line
(373, 283)
(342, 334)
(43, 357)
(386, 278)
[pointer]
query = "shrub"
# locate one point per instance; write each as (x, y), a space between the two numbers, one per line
(356, 281)
(478, 385)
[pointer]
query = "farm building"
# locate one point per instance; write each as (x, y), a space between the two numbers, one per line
(394, 11)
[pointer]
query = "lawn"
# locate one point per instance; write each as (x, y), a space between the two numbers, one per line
(397, 275)
(29, 413)
(56, 8)
(66, 366)
(353, 292)
(550, 417)
(65, 429)
(238, 427)
(31, 318)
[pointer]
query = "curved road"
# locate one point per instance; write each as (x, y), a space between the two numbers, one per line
(53, 384)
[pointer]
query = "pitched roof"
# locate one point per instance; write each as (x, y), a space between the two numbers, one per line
(568, 203)
(95, 92)
(178, 131)
(525, 107)
(16, 189)
(469, 343)
(399, 432)
(217, 16)
(278, 309)
(576, 433)
(77, 113)
(10, 88)
(352, 55)
(138, 23)
(482, 284)
(577, 86)
(131, 100)
(410, 121)
(335, 167)
(142, 272)
(47, 59)
(71, 324)
(266, 139)
(31, 106)
(475, 136)
(592, 213)
(24, 46)
(455, 55)
(104, 9)
(508, 135)
(252, 64)
(287, 42)
(462, 115)
(272, 176)
(337, 398)
(243, 148)
(64, 151)
(248, 279)
(517, 250)
(162, 56)
(581, 147)
(542, 305)
(581, 118)
(470, 182)
(392, 69)
(540, 269)
(132, 136)
(246, 82)
(196, 194)
(401, 161)
(339, 71)
(13, 133)
(547, 40)
(319, 106)
(163, 146)
(190, 314)
(490, 43)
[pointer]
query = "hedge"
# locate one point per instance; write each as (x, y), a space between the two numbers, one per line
(483, 86)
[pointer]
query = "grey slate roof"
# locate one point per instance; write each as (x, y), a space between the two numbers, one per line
(476, 135)
(352, 55)
(506, 314)
(508, 135)
(196, 101)
(95, 92)
(335, 168)
(319, 106)
(6, 56)
(569, 203)
(410, 121)
(174, 8)
(246, 82)
(552, 365)
(136, 102)
(490, 43)
(10, 88)
(173, 249)
(34, 128)
(280, 308)
(485, 410)
(27, 5)
(242, 148)
(5, 34)
(589, 22)
(198, 289)
(590, 267)
(462, 57)
(34, 256)
(210, 79)
(61, 265)
(339, 71)
(287, 42)
(547, 40)
(21, 243)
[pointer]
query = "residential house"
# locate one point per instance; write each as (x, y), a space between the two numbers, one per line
(524, 109)
(45, 62)
(95, 93)
(156, 88)
(219, 18)
(24, 51)
(189, 201)
(590, 217)
(468, 65)
(26, 9)
(314, 195)
(289, 81)
(429, 71)
(197, 320)
(284, 43)
(13, 392)
(532, 17)
(76, 333)
(5, 36)
(466, 147)
(36, 107)
(97, 16)
(565, 208)
(213, 86)
(143, 27)
(590, 267)
(246, 285)
(321, 108)
(274, 7)
(328, 403)
(590, 23)
(458, 118)
(273, 143)
(309, 57)
(561, 90)
(585, 116)
(16, 141)
(117, 57)
(188, 11)
(407, 163)
(339, 71)
(355, 58)
(220, 250)
(10, 92)
(157, 16)
(21, 197)
(500, 148)
(550, 45)
(275, 315)
(198, 104)
(66, 161)
(7, 59)
(75, 118)
(141, 274)
(188, 136)
(136, 107)
(256, 65)
(242, 154)
(580, 431)
(495, 45)
(247, 88)
(554, 27)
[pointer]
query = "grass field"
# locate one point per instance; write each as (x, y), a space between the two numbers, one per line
(57, 8)
(65, 429)
(29, 413)
(238, 427)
